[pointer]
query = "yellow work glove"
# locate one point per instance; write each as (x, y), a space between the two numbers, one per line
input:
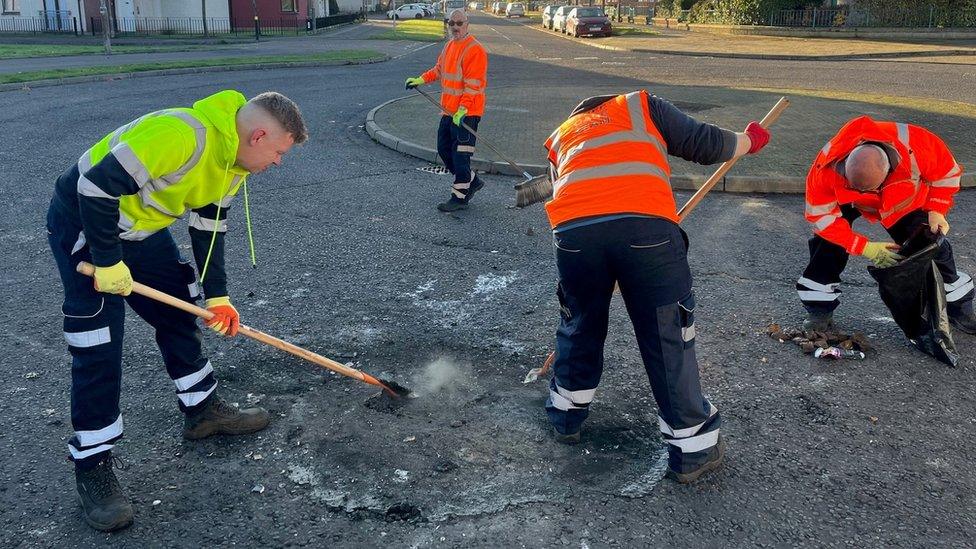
(459, 115)
(412, 83)
(115, 279)
(225, 320)
(938, 223)
(882, 254)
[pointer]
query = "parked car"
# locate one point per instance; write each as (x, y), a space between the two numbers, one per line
(587, 21)
(497, 7)
(559, 18)
(514, 9)
(547, 13)
(473, 6)
(406, 11)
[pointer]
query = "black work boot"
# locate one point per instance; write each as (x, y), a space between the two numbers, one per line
(714, 462)
(219, 418)
(105, 506)
(476, 185)
(819, 322)
(453, 204)
(961, 316)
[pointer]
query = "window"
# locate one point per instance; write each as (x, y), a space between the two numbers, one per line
(11, 6)
(289, 6)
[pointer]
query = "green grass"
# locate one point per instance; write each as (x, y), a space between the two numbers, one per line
(340, 55)
(935, 106)
(424, 30)
(634, 31)
(20, 51)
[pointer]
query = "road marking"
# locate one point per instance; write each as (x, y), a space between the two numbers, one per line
(585, 58)
(550, 59)
(612, 63)
(414, 50)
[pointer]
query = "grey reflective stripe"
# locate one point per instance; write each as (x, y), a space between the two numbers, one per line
(201, 144)
(116, 137)
(612, 170)
(128, 233)
(611, 139)
(554, 141)
(145, 194)
(903, 137)
(87, 188)
(451, 91)
(471, 90)
(947, 182)
(825, 149)
(133, 166)
(205, 224)
(472, 81)
(635, 108)
(822, 209)
(84, 162)
(825, 222)
(91, 338)
(188, 381)
(99, 436)
(456, 73)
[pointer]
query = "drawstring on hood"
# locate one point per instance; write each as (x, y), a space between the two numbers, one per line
(221, 109)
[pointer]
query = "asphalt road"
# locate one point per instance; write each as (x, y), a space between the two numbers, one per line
(355, 263)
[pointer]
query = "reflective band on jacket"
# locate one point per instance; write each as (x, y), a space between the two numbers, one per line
(610, 159)
(462, 70)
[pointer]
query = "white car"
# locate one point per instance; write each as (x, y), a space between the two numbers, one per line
(559, 19)
(406, 11)
(514, 9)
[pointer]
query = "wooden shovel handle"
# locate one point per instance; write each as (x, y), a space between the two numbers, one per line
(766, 122)
(88, 269)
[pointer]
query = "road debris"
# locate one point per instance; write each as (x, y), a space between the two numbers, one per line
(810, 341)
(837, 353)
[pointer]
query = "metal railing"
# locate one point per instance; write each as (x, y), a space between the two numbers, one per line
(217, 26)
(48, 23)
(921, 17)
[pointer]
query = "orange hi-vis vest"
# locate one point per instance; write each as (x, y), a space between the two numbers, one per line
(462, 68)
(609, 160)
(926, 177)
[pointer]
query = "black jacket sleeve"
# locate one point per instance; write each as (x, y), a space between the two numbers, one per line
(99, 190)
(689, 138)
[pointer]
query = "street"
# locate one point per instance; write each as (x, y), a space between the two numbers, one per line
(355, 263)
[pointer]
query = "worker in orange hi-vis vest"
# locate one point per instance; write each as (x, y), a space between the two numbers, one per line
(614, 220)
(462, 68)
(899, 174)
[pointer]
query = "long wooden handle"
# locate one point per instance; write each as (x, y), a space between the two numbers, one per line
(766, 122)
(511, 163)
(152, 293)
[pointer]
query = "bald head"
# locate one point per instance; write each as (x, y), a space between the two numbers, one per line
(866, 167)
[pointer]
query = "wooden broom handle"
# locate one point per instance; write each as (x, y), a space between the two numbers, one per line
(766, 122)
(88, 269)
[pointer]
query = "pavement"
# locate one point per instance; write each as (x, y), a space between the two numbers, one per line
(355, 263)
(552, 75)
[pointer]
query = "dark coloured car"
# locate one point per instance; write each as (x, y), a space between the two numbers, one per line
(588, 21)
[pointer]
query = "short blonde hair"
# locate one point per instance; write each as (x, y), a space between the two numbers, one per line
(285, 111)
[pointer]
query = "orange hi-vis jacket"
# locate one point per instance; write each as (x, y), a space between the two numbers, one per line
(925, 176)
(462, 68)
(608, 160)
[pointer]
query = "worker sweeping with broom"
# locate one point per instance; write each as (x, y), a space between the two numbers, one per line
(614, 221)
(112, 209)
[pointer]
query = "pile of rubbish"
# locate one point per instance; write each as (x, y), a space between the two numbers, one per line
(833, 344)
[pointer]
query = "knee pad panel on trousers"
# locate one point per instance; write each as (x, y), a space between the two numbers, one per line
(93, 322)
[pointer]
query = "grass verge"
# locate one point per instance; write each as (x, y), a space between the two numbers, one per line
(924, 104)
(634, 31)
(334, 56)
(21, 51)
(423, 30)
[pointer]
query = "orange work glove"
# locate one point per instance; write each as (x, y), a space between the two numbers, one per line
(225, 321)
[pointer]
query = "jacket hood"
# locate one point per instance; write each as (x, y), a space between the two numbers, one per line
(221, 110)
(856, 132)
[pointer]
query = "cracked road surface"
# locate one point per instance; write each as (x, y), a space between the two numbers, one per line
(355, 263)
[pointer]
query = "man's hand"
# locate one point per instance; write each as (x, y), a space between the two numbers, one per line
(882, 254)
(938, 223)
(459, 115)
(758, 137)
(115, 279)
(412, 83)
(225, 321)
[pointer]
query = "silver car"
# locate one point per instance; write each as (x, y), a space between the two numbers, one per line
(514, 9)
(559, 19)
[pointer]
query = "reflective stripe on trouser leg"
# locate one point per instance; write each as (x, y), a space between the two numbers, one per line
(156, 261)
(462, 145)
(959, 290)
(584, 291)
(445, 143)
(819, 285)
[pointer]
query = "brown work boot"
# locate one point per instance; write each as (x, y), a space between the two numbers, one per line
(219, 418)
(714, 463)
(102, 501)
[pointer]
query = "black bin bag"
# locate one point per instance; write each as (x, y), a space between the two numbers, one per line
(914, 292)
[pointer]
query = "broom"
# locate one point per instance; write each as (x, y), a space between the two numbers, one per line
(538, 189)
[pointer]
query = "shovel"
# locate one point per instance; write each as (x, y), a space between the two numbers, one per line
(393, 389)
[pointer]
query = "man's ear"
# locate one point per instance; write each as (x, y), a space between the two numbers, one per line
(257, 136)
